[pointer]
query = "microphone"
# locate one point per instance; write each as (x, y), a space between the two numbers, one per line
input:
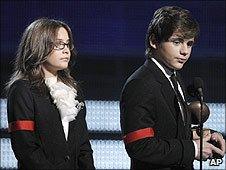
(198, 86)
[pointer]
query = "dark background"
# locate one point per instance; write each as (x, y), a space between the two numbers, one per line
(109, 37)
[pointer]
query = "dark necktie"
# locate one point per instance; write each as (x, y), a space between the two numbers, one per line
(182, 104)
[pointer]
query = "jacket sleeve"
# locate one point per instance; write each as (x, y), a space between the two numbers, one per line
(137, 107)
(25, 142)
(85, 159)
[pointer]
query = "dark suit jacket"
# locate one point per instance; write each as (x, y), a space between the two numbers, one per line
(46, 146)
(148, 101)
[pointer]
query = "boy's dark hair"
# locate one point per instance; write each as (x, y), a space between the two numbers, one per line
(166, 21)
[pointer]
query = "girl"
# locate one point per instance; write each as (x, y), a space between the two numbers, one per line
(46, 111)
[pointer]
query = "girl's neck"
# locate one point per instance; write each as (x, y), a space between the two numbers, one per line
(49, 73)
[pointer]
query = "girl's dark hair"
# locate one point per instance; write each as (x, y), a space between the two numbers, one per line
(166, 21)
(35, 46)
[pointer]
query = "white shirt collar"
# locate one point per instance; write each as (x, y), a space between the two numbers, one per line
(50, 80)
(167, 72)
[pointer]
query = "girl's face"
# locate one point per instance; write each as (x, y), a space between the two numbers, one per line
(59, 58)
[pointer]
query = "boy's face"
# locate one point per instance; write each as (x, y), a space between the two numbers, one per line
(175, 52)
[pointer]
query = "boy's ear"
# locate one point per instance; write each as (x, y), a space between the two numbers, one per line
(152, 41)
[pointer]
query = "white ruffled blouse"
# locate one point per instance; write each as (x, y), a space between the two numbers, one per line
(64, 98)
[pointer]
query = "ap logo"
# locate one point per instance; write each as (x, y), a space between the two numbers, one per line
(215, 162)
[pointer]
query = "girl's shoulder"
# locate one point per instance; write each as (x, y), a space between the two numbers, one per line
(20, 86)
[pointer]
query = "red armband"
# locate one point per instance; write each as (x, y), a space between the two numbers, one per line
(21, 125)
(138, 134)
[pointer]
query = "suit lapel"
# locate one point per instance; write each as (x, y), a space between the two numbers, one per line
(170, 98)
(185, 98)
(166, 88)
(73, 135)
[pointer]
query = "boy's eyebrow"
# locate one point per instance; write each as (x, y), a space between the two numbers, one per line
(176, 38)
(181, 39)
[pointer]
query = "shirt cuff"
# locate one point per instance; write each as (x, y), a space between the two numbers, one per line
(196, 148)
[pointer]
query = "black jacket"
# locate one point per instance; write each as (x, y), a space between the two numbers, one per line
(45, 147)
(149, 102)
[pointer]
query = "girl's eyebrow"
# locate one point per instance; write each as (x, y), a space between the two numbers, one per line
(62, 39)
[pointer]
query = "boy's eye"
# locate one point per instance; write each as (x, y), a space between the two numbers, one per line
(190, 43)
(176, 42)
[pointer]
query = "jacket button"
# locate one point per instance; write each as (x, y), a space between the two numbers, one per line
(67, 158)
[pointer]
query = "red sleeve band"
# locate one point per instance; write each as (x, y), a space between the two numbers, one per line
(21, 125)
(138, 134)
